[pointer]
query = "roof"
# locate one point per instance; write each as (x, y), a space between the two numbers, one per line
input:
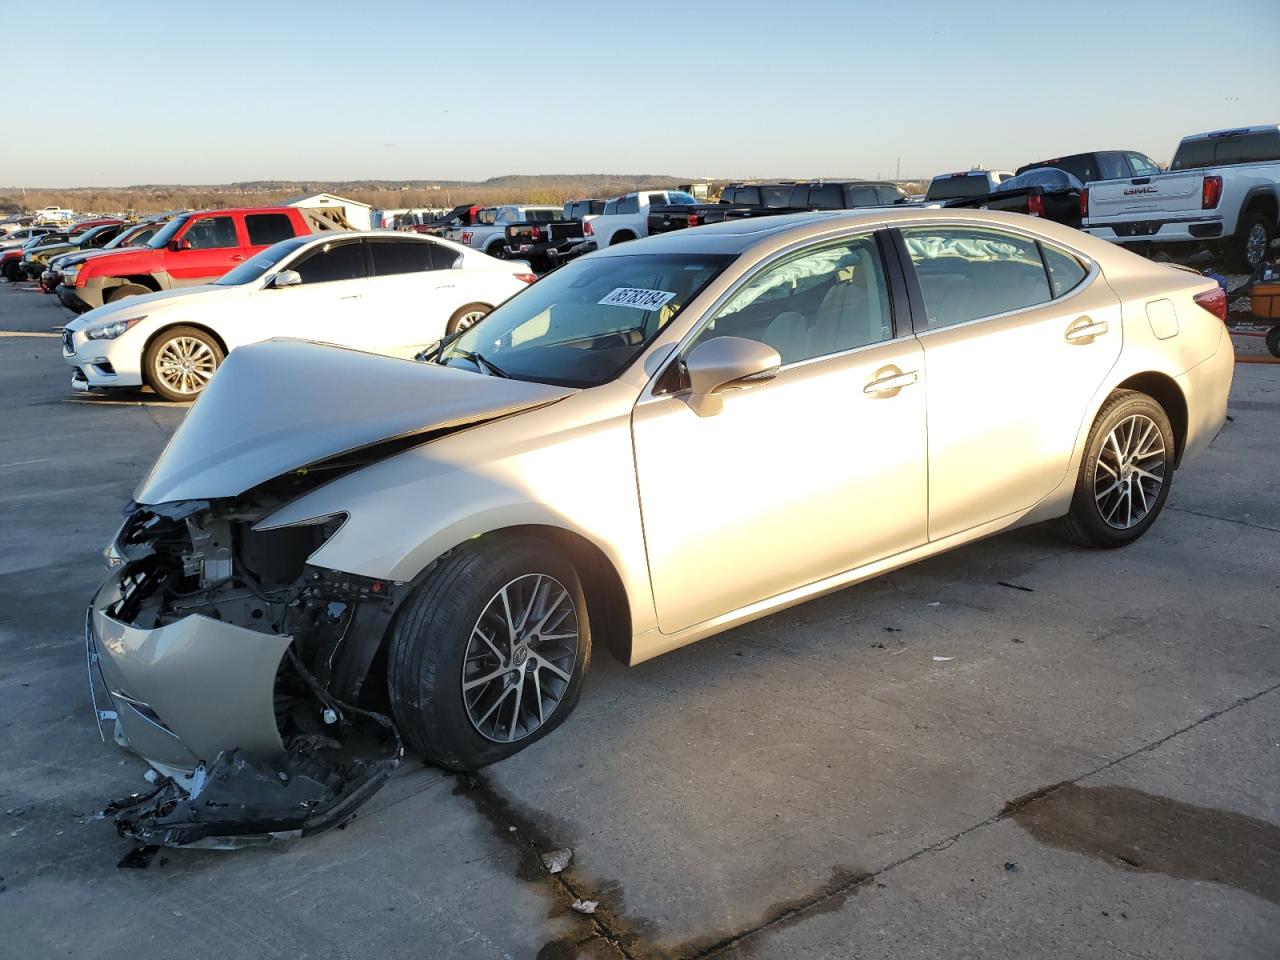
(330, 199)
(1231, 132)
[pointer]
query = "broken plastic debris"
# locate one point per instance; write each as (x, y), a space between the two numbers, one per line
(557, 860)
(942, 659)
(586, 906)
(150, 776)
(934, 603)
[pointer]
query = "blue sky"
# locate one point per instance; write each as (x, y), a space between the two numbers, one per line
(208, 92)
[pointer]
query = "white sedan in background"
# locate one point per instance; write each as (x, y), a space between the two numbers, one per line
(377, 291)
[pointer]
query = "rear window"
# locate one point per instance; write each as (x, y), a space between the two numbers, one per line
(748, 195)
(1256, 147)
(268, 228)
(959, 187)
(679, 198)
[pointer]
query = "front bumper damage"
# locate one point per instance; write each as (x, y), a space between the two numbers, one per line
(237, 671)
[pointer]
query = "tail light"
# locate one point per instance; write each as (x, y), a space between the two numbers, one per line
(1215, 301)
(535, 234)
(1035, 205)
(694, 220)
(526, 277)
(586, 229)
(466, 236)
(1084, 203)
(1210, 193)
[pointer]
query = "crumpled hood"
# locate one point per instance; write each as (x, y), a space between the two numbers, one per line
(284, 404)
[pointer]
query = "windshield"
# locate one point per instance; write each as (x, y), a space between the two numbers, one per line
(963, 186)
(254, 268)
(582, 325)
(165, 233)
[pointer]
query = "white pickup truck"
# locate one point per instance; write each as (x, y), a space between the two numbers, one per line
(1222, 191)
(627, 217)
(490, 237)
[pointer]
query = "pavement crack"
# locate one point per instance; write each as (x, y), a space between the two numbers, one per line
(1210, 516)
(796, 910)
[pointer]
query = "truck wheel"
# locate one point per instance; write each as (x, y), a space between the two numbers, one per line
(489, 654)
(1125, 475)
(495, 250)
(127, 290)
(1273, 341)
(467, 316)
(1252, 242)
(180, 361)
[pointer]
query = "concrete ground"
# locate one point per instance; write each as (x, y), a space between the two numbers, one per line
(1092, 771)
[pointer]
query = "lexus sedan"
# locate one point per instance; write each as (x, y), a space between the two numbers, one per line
(340, 553)
(381, 291)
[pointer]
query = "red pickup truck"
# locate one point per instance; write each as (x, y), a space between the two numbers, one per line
(190, 249)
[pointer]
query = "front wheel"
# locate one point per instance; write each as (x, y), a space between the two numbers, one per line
(180, 362)
(490, 653)
(13, 271)
(1125, 475)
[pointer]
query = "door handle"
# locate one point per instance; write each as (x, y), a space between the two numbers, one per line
(1084, 330)
(354, 296)
(891, 383)
(237, 257)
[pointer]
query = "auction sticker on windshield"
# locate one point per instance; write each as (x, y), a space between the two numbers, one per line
(637, 298)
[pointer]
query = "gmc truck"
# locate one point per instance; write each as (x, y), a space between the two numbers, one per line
(1222, 192)
(188, 250)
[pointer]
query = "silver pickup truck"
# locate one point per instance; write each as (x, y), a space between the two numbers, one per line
(1222, 191)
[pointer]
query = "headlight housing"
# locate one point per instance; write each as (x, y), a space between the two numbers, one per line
(109, 331)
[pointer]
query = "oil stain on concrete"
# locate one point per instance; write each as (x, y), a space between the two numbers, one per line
(1137, 831)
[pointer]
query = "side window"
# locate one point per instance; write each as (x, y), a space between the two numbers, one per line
(826, 197)
(1256, 147)
(610, 208)
(1142, 165)
(391, 257)
(629, 204)
(1065, 271)
(333, 261)
(888, 195)
(1112, 167)
(442, 257)
(268, 228)
(861, 196)
(969, 273)
(823, 301)
(212, 233)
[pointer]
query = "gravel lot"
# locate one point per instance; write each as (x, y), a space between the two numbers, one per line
(1093, 770)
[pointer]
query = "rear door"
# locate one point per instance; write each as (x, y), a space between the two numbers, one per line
(264, 229)
(208, 247)
(410, 295)
(1018, 338)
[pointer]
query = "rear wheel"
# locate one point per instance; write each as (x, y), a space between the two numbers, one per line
(125, 290)
(1125, 476)
(1252, 242)
(495, 249)
(180, 361)
(490, 653)
(467, 316)
(622, 236)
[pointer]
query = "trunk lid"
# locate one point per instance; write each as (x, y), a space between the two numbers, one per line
(283, 405)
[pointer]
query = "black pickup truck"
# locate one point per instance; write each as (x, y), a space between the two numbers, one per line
(547, 243)
(1048, 192)
(770, 199)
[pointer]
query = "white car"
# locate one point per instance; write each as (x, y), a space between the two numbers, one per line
(627, 217)
(379, 291)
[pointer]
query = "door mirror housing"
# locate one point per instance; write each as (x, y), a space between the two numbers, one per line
(727, 363)
(286, 278)
(178, 246)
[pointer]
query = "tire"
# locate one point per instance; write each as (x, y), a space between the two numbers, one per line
(1273, 341)
(13, 271)
(162, 363)
(496, 250)
(435, 639)
(1251, 243)
(465, 317)
(1107, 519)
(126, 290)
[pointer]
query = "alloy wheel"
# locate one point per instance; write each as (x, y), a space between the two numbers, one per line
(520, 658)
(1130, 472)
(469, 319)
(185, 364)
(1255, 244)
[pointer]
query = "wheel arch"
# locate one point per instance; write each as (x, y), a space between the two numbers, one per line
(1164, 390)
(141, 279)
(1263, 201)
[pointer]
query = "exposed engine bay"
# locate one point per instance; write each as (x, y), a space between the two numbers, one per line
(204, 559)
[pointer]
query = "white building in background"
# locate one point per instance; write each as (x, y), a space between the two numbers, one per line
(359, 215)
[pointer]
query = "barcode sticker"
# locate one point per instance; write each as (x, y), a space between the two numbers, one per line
(636, 298)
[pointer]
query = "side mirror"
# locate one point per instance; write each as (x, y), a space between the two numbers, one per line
(286, 278)
(727, 363)
(179, 245)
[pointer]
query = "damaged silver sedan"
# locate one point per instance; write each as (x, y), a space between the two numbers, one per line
(651, 445)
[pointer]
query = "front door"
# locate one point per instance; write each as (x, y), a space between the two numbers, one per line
(327, 306)
(207, 248)
(798, 478)
(1019, 336)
